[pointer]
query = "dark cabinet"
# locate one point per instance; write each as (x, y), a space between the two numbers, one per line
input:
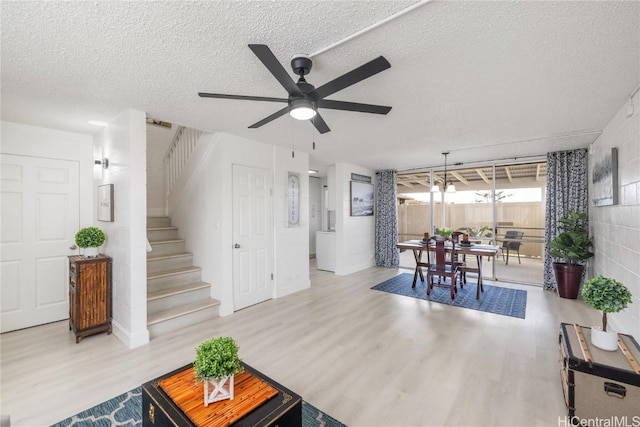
(89, 295)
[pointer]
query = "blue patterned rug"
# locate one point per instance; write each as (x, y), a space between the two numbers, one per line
(126, 410)
(505, 301)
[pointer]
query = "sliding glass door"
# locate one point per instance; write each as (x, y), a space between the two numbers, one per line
(490, 202)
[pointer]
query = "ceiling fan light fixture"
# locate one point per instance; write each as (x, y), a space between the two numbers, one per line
(302, 109)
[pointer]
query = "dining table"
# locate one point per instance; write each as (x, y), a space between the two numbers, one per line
(473, 249)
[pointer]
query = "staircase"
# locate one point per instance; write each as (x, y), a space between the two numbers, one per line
(176, 297)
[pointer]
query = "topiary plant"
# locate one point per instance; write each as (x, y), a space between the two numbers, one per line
(606, 295)
(90, 237)
(217, 358)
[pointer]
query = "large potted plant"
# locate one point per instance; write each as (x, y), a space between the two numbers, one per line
(216, 363)
(608, 296)
(572, 246)
(90, 239)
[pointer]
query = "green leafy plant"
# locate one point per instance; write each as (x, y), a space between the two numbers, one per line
(606, 295)
(90, 237)
(486, 196)
(479, 231)
(217, 358)
(444, 232)
(573, 244)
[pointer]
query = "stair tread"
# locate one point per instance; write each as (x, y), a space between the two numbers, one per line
(161, 228)
(160, 242)
(181, 310)
(151, 257)
(175, 290)
(172, 272)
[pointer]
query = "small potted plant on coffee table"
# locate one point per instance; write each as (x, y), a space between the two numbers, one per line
(90, 239)
(216, 364)
(608, 296)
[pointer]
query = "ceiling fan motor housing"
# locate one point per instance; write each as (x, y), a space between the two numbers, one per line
(301, 64)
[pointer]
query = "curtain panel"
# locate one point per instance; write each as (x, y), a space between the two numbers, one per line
(386, 219)
(567, 190)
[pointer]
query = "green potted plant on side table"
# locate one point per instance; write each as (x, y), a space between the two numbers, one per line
(608, 296)
(216, 363)
(90, 239)
(573, 246)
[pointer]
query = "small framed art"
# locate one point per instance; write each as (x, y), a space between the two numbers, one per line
(105, 203)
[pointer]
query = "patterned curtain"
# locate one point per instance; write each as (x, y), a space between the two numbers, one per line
(567, 185)
(387, 254)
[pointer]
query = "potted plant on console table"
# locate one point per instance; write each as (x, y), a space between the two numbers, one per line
(573, 246)
(608, 296)
(90, 239)
(216, 364)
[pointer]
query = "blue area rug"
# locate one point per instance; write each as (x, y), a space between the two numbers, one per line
(494, 299)
(126, 410)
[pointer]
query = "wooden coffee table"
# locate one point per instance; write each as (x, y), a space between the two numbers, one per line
(258, 401)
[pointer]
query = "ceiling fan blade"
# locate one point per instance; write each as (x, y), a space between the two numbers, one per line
(352, 77)
(353, 106)
(243, 97)
(271, 62)
(319, 123)
(270, 118)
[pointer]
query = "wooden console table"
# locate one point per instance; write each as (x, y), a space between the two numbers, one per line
(160, 410)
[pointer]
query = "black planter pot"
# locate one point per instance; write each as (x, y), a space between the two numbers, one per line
(568, 279)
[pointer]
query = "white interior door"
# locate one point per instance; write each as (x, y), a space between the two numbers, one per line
(40, 216)
(252, 235)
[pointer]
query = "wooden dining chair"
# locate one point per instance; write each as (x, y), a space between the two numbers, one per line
(439, 266)
(461, 261)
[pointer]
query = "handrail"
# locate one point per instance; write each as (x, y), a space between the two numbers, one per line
(180, 149)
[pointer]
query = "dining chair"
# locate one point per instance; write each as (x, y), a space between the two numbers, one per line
(439, 265)
(456, 237)
(513, 241)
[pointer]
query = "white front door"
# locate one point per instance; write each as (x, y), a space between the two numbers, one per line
(252, 236)
(40, 216)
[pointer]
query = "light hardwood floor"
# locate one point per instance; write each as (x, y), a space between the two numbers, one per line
(367, 358)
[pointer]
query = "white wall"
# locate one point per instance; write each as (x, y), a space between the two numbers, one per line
(315, 211)
(123, 142)
(616, 229)
(158, 140)
(355, 235)
(291, 244)
(202, 209)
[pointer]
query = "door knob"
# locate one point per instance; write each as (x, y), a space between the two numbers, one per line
(237, 246)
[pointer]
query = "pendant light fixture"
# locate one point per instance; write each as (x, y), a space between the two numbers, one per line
(448, 187)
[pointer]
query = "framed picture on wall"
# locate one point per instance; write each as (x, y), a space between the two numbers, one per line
(361, 199)
(293, 199)
(105, 203)
(604, 177)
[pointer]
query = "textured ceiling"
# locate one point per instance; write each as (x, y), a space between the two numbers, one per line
(482, 80)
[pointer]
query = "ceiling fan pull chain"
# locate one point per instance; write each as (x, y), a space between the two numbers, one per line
(313, 132)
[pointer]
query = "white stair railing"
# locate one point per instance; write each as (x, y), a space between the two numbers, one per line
(183, 144)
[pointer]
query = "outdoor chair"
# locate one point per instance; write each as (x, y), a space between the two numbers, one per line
(512, 242)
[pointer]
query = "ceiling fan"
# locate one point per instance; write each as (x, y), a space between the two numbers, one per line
(304, 98)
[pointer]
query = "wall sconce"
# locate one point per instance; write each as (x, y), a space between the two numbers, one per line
(104, 162)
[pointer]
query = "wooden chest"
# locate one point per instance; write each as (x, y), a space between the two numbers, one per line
(159, 410)
(89, 295)
(599, 384)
